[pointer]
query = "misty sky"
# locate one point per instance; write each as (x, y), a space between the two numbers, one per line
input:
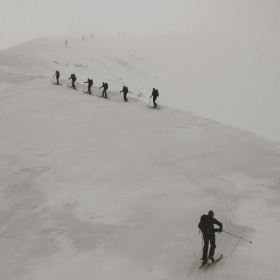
(22, 20)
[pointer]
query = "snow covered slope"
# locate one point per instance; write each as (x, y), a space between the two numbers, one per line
(228, 77)
(100, 189)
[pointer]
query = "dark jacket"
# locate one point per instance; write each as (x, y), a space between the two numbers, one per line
(155, 93)
(73, 77)
(124, 90)
(104, 85)
(89, 82)
(207, 223)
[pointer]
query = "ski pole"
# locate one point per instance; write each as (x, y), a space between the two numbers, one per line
(237, 236)
(157, 104)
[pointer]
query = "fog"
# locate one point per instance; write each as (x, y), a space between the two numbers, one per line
(25, 20)
(227, 61)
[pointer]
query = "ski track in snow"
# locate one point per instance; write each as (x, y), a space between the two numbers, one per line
(209, 273)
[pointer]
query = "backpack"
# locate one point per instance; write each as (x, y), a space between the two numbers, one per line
(203, 224)
(105, 86)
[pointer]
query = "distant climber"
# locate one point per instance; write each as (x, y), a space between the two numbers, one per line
(206, 226)
(155, 95)
(90, 83)
(57, 75)
(73, 78)
(125, 91)
(104, 92)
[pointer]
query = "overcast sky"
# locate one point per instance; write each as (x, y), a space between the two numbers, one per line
(21, 20)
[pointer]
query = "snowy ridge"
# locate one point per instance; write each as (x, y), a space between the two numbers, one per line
(227, 77)
(101, 189)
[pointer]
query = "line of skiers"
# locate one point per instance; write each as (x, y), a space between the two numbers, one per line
(105, 86)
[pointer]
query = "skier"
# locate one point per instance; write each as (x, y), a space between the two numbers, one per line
(125, 91)
(206, 226)
(57, 77)
(66, 44)
(89, 82)
(155, 95)
(73, 78)
(105, 87)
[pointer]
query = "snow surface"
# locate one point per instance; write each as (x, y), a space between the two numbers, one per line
(100, 189)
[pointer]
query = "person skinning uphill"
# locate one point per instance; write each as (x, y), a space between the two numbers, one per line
(155, 95)
(57, 77)
(206, 226)
(104, 92)
(90, 83)
(73, 78)
(125, 92)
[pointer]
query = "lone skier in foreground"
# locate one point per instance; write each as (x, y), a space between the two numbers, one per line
(125, 91)
(206, 226)
(57, 77)
(155, 95)
(89, 82)
(73, 78)
(105, 87)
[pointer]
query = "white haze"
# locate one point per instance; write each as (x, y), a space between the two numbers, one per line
(220, 59)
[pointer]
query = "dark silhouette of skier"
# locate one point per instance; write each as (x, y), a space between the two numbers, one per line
(73, 78)
(66, 44)
(155, 95)
(104, 92)
(57, 75)
(90, 83)
(125, 91)
(206, 226)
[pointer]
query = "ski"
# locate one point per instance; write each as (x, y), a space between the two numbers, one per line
(57, 84)
(88, 93)
(152, 107)
(103, 97)
(207, 264)
(73, 88)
